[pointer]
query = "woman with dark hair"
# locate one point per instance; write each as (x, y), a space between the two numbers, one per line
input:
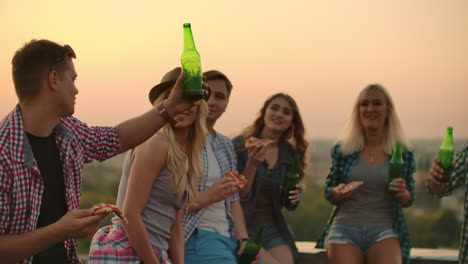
(265, 168)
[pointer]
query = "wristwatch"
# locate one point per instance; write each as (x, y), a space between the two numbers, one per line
(164, 114)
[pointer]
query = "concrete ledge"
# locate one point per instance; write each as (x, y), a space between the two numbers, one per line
(309, 254)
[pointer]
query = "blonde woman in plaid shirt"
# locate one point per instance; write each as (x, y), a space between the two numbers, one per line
(368, 223)
(458, 178)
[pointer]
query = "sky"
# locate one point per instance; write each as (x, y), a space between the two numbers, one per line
(320, 52)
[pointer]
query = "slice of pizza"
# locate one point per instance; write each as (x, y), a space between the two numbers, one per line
(103, 208)
(237, 177)
(351, 186)
(254, 142)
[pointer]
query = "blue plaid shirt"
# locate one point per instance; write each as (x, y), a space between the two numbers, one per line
(227, 160)
(340, 170)
(458, 178)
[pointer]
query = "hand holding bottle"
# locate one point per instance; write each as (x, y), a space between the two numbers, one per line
(295, 196)
(436, 173)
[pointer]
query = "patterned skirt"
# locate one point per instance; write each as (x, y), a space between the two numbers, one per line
(110, 245)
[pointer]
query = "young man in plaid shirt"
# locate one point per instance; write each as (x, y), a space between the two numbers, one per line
(212, 228)
(458, 178)
(42, 151)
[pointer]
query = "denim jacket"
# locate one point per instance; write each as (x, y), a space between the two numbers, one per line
(283, 165)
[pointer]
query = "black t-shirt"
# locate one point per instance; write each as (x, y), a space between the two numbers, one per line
(53, 205)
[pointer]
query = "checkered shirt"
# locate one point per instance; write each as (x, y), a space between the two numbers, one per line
(340, 170)
(21, 186)
(458, 178)
(227, 160)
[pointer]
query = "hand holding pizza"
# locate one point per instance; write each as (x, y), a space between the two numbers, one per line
(223, 188)
(253, 143)
(256, 149)
(240, 179)
(344, 190)
(103, 208)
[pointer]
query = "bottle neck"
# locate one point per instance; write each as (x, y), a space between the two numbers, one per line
(398, 151)
(295, 165)
(258, 236)
(448, 138)
(189, 43)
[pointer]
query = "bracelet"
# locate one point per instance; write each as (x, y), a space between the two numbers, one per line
(165, 114)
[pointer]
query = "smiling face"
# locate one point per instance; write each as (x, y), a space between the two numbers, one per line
(373, 109)
(278, 115)
(186, 118)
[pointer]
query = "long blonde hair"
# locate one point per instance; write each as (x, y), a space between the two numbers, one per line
(186, 167)
(352, 139)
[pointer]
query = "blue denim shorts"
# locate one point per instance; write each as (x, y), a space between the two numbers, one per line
(271, 236)
(363, 237)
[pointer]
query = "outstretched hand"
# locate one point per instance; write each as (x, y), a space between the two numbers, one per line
(176, 101)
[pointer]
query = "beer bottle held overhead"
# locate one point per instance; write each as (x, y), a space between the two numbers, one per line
(396, 164)
(191, 65)
(446, 154)
(290, 181)
(253, 247)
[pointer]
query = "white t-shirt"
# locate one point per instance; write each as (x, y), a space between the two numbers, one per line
(214, 218)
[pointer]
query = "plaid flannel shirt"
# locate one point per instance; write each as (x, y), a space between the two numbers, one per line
(21, 186)
(340, 170)
(226, 157)
(458, 178)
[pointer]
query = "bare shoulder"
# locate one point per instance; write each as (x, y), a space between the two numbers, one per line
(155, 147)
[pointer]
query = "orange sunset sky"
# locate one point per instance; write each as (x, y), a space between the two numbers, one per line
(320, 52)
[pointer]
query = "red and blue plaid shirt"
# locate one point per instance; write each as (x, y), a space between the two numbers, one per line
(21, 185)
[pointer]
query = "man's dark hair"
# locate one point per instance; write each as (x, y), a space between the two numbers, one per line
(32, 62)
(214, 75)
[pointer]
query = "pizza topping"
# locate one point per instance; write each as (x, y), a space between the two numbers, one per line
(240, 179)
(103, 208)
(254, 142)
(350, 186)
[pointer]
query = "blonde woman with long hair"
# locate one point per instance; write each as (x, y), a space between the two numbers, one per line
(368, 225)
(158, 183)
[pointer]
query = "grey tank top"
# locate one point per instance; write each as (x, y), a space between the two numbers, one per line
(161, 208)
(371, 203)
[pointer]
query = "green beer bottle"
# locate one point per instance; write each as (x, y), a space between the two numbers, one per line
(396, 164)
(446, 154)
(191, 65)
(253, 247)
(290, 181)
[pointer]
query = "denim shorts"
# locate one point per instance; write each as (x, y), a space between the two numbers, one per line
(271, 236)
(363, 237)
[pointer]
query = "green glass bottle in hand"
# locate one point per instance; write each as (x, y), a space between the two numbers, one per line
(446, 154)
(191, 65)
(253, 247)
(396, 164)
(290, 181)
